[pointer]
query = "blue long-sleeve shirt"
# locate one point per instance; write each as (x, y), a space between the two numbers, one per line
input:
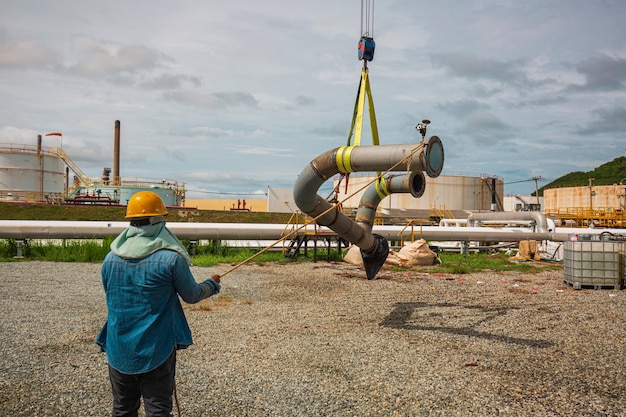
(145, 320)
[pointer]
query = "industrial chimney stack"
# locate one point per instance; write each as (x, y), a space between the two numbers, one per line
(116, 155)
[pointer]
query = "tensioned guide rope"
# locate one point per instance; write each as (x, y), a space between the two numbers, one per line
(289, 235)
(292, 233)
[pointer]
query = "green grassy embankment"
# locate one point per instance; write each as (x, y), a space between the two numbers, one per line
(24, 211)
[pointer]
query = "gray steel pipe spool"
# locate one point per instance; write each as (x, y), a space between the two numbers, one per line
(407, 157)
(413, 183)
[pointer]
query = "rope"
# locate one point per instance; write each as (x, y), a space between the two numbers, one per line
(289, 235)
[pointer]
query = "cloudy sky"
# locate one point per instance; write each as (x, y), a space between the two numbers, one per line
(233, 97)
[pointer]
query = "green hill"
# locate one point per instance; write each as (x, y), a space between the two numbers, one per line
(606, 174)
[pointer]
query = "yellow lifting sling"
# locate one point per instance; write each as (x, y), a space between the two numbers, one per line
(359, 107)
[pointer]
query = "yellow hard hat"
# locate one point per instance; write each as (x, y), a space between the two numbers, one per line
(145, 204)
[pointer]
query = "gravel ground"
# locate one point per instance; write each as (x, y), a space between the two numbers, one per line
(319, 340)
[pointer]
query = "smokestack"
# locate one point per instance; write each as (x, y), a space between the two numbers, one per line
(494, 195)
(116, 154)
(41, 171)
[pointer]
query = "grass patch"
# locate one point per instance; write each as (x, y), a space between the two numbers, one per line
(455, 263)
(214, 253)
(237, 256)
(83, 250)
(87, 212)
(64, 250)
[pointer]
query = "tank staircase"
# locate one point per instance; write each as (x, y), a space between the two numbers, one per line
(83, 179)
(441, 212)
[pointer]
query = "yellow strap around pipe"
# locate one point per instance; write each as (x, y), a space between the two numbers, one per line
(342, 159)
(381, 188)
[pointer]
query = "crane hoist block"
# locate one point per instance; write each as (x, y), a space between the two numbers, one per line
(366, 48)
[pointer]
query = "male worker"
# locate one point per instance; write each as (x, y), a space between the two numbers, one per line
(143, 275)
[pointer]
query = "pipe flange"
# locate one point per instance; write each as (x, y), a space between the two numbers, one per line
(433, 156)
(418, 184)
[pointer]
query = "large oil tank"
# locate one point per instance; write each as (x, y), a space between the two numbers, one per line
(30, 174)
(598, 196)
(452, 192)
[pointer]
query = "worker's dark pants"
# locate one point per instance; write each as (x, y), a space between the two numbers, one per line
(156, 388)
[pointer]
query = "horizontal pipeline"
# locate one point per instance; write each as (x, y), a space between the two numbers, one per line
(41, 229)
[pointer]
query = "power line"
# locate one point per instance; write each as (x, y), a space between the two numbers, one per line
(324, 187)
(528, 180)
(225, 193)
(517, 182)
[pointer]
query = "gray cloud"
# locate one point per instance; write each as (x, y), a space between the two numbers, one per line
(26, 54)
(486, 129)
(462, 107)
(336, 129)
(205, 131)
(602, 73)
(219, 100)
(486, 121)
(472, 67)
(264, 151)
(99, 60)
(304, 101)
(541, 100)
(607, 120)
(170, 82)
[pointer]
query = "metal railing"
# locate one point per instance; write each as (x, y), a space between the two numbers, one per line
(588, 217)
(31, 196)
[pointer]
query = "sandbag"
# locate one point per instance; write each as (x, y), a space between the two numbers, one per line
(416, 253)
(412, 254)
(353, 256)
(528, 250)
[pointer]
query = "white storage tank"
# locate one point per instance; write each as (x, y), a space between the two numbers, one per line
(452, 192)
(27, 174)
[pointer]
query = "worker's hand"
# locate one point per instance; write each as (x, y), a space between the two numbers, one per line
(215, 278)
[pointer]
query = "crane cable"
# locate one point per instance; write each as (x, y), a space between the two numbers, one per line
(367, 18)
(292, 233)
(366, 48)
